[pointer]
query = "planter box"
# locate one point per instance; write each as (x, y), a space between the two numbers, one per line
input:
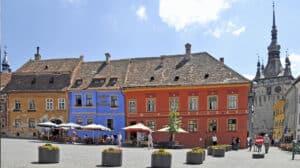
(258, 156)
(161, 161)
(228, 148)
(111, 159)
(195, 158)
(218, 152)
(48, 156)
(209, 151)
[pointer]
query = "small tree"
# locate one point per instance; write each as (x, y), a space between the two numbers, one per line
(174, 123)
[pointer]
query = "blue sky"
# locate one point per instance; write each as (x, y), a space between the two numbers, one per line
(237, 30)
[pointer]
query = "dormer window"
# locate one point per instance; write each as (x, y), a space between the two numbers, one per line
(33, 81)
(51, 81)
(152, 79)
(176, 78)
(46, 67)
(112, 81)
(78, 82)
(206, 76)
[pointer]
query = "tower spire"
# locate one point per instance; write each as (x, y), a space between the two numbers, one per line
(273, 67)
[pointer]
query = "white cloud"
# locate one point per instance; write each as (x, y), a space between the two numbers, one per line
(141, 13)
(183, 13)
(295, 64)
(237, 32)
(248, 76)
(228, 27)
(76, 3)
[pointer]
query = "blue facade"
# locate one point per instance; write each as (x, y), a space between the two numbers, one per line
(100, 107)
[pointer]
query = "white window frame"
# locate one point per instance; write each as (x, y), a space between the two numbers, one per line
(31, 104)
(212, 105)
(49, 104)
(151, 104)
(132, 106)
(61, 104)
(193, 103)
(232, 102)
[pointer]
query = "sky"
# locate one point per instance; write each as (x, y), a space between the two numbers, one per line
(238, 30)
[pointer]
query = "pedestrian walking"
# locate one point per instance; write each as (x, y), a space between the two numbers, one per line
(249, 140)
(267, 142)
(259, 140)
(150, 140)
(119, 139)
(112, 138)
(214, 139)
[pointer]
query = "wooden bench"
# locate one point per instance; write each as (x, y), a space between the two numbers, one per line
(295, 150)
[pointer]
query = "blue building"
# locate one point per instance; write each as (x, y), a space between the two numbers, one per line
(95, 96)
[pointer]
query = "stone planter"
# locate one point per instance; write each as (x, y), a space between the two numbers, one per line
(161, 161)
(195, 158)
(228, 148)
(209, 150)
(258, 156)
(48, 156)
(111, 159)
(218, 152)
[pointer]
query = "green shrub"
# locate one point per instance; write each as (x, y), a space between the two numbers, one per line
(196, 150)
(161, 152)
(112, 150)
(49, 146)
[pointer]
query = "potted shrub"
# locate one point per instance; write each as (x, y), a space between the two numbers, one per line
(218, 151)
(195, 156)
(161, 159)
(48, 153)
(112, 157)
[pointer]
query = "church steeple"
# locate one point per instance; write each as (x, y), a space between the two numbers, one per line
(273, 67)
(287, 69)
(5, 65)
(257, 76)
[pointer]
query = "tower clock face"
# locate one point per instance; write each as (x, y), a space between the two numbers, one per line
(277, 89)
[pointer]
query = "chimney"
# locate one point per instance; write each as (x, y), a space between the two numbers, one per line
(222, 60)
(107, 56)
(37, 56)
(188, 50)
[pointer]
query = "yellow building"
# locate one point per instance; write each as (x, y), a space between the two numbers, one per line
(37, 92)
(278, 109)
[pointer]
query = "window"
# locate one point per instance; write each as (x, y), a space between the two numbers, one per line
(173, 104)
(132, 106)
(31, 123)
(17, 105)
(89, 121)
(17, 123)
(2, 107)
(212, 125)
(89, 100)
(31, 104)
(113, 101)
(192, 125)
(231, 125)
(232, 102)
(2, 122)
(112, 81)
(193, 103)
(150, 104)
(79, 121)
(151, 125)
(61, 104)
(78, 100)
(49, 104)
(110, 124)
(212, 103)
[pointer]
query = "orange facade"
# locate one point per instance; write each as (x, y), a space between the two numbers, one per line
(204, 110)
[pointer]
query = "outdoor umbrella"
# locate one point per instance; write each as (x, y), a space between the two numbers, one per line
(47, 124)
(95, 127)
(166, 129)
(139, 127)
(69, 125)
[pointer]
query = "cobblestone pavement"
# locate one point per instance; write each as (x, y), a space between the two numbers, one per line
(20, 153)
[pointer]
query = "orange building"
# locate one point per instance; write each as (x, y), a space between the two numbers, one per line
(37, 92)
(209, 96)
